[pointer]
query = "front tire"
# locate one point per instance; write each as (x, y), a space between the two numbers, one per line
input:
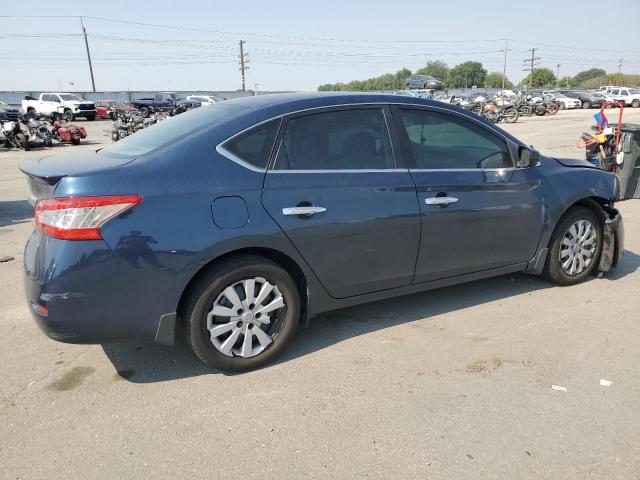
(575, 246)
(635, 103)
(68, 116)
(586, 104)
(242, 313)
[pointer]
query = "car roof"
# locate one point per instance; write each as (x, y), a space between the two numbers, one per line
(277, 104)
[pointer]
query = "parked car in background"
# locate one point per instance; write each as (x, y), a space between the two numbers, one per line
(205, 100)
(68, 104)
(8, 113)
(237, 248)
(630, 96)
(562, 100)
(163, 101)
(426, 82)
(587, 99)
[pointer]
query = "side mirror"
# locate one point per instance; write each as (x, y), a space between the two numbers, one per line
(528, 157)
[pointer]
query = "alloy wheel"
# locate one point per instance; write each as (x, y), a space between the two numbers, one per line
(578, 247)
(246, 317)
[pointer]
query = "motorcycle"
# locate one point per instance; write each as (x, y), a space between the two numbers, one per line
(63, 131)
(14, 137)
(38, 133)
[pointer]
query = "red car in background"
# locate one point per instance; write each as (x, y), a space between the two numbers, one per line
(104, 108)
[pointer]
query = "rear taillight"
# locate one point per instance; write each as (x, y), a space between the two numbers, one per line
(80, 218)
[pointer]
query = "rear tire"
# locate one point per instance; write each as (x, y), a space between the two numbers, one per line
(635, 103)
(68, 116)
(562, 247)
(211, 288)
(75, 141)
(144, 111)
(586, 104)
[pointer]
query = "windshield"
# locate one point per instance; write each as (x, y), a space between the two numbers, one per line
(168, 131)
(70, 97)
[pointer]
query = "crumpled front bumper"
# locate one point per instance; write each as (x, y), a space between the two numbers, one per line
(613, 240)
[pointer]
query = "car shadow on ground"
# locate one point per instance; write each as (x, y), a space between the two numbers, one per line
(150, 363)
(15, 211)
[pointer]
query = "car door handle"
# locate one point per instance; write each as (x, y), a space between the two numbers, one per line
(440, 201)
(307, 210)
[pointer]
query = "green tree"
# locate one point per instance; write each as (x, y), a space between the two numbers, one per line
(565, 82)
(494, 80)
(587, 75)
(466, 75)
(437, 69)
(388, 81)
(542, 77)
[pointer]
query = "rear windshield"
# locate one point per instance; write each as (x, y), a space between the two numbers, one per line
(169, 131)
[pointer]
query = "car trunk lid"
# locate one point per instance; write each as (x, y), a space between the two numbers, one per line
(44, 173)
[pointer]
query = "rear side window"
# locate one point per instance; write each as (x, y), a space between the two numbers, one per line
(254, 146)
(354, 139)
(442, 141)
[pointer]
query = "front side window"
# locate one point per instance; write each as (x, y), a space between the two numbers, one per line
(254, 146)
(442, 141)
(336, 140)
(70, 97)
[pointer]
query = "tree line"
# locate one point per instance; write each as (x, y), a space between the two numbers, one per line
(471, 73)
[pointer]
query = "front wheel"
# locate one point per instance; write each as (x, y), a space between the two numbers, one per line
(552, 109)
(510, 115)
(635, 103)
(586, 104)
(144, 111)
(574, 248)
(242, 313)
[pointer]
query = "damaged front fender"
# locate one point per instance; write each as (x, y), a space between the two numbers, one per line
(612, 240)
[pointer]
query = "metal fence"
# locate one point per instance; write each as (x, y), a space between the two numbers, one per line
(15, 98)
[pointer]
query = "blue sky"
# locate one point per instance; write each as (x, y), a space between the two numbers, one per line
(297, 45)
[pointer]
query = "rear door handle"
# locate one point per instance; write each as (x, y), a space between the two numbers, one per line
(440, 201)
(303, 211)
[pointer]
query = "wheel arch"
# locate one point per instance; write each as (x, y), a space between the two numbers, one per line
(594, 203)
(281, 259)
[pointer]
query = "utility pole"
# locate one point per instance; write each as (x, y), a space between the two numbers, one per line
(243, 63)
(533, 63)
(620, 60)
(86, 44)
(504, 65)
(558, 65)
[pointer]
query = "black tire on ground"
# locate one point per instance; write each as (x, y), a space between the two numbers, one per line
(586, 104)
(49, 143)
(206, 290)
(31, 110)
(91, 118)
(144, 111)
(552, 268)
(540, 110)
(75, 141)
(635, 103)
(68, 115)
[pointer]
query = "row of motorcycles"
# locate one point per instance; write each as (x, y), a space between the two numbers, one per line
(28, 131)
(126, 123)
(507, 109)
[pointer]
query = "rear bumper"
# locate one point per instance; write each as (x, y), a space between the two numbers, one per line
(84, 292)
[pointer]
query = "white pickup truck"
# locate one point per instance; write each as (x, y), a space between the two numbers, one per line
(68, 104)
(630, 96)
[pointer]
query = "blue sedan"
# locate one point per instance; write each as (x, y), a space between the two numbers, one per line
(232, 225)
